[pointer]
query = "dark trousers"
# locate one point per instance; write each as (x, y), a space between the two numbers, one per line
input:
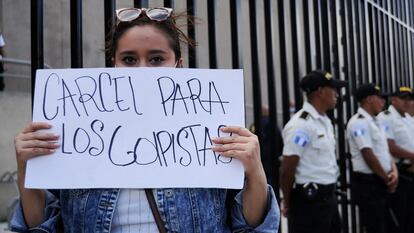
(370, 194)
(402, 203)
(313, 214)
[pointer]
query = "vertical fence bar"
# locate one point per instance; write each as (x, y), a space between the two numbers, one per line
(388, 83)
(340, 116)
(345, 39)
(211, 18)
(283, 64)
(274, 142)
(36, 17)
(364, 44)
(109, 18)
(317, 34)
(76, 33)
(234, 35)
(257, 100)
(371, 41)
(396, 53)
(141, 3)
(358, 31)
(295, 52)
(381, 49)
(308, 55)
(191, 34)
(351, 38)
(351, 31)
(168, 3)
(325, 36)
(137, 3)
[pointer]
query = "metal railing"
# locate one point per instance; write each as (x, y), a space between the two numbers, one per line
(7, 60)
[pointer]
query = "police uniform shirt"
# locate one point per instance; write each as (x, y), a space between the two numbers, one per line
(410, 120)
(310, 136)
(364, 131)
(397, 128)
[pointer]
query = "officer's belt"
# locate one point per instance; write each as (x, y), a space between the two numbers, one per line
(322, 188)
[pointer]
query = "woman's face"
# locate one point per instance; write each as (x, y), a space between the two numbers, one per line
(145, 46)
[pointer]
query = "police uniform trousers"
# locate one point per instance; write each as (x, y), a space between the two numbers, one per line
(402, 203)
(315, 213)
(370, 194)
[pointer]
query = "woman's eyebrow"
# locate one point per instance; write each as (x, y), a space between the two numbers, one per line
(127, 52)
(153, 51)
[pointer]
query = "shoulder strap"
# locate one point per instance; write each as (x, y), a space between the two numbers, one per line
(154, 210)
(304, 115)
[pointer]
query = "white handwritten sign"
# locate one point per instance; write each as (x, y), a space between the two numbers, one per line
(137, 127)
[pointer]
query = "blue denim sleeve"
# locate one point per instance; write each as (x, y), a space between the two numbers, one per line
(270, 222)
(52, 217)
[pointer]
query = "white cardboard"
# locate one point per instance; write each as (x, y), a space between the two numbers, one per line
(103, 115)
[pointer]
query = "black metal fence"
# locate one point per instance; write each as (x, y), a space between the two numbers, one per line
(357, 40)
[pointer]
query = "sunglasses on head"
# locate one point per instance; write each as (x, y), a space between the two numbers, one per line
(156, 14)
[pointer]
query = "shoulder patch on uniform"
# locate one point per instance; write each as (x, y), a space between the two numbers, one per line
(304, 115)
(360, 116)
(386, 112)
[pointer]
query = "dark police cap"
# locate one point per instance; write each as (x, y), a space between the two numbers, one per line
(319, 78)
(403, 92)
(368, 89)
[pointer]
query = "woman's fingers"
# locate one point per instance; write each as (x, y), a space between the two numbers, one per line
(34, 126)
(237, 130)
(33, 152)
(228, 147)
(231, 139)
(31, 142)
(39, 136)
(39, 144)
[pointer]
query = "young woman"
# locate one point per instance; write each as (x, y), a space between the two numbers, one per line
(146, 38)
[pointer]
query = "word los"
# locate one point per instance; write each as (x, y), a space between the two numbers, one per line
(85, 95)
(164, 148)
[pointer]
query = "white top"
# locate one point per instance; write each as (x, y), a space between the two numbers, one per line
(2, 43)
(398, 128)
(364, 131)
(133, 213)
(410, 120)
(310, 136)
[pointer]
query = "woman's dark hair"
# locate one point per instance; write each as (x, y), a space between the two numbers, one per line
(168, 27)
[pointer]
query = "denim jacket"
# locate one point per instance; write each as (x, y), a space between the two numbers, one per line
(183, 210)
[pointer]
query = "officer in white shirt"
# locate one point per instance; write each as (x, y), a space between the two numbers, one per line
(401, 144)
(309, 169)
(375, 172)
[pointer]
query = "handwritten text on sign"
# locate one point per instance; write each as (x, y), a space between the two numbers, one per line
(137, 127)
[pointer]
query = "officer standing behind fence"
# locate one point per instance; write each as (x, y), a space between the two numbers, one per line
(401, 144)
(309, 169)
(375, 172)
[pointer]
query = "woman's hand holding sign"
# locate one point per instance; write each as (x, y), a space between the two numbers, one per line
(244, 146)
(32, 142)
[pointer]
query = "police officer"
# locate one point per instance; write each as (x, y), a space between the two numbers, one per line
(375, 172)
(401, 145)
(309, 170)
